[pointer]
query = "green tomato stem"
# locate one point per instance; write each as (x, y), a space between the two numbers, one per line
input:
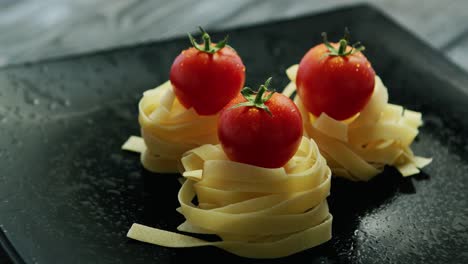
(343, 44)
(206, 46)
(261, 91)
(206, 41)
(256, 99)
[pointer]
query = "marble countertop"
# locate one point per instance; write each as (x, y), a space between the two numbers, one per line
(34, 30)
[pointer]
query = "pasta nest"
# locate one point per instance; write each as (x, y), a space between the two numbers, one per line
(257, 212)
(359, 148)
(169, 129)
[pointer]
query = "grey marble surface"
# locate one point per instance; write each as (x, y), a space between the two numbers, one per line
(33, 30)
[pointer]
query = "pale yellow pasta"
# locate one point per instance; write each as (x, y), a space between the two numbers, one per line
(169, 129)
(257, 212)
(359, 148)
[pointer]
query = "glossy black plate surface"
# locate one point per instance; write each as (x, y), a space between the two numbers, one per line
(68, 193)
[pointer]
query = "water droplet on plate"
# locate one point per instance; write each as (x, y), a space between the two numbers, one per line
(30, 99)
(44, 68)
(53, 106)
(33, 116)
(17, 142)
(134, 175)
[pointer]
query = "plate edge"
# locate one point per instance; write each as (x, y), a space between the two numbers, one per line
(8, 248)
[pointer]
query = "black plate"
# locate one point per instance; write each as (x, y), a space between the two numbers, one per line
(68, 193)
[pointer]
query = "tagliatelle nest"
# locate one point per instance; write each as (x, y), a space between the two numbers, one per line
(169, 129)
(359, 148)
(258, 212)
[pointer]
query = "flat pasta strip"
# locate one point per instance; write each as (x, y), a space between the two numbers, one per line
(169, 130)
(358, 148)
(277, 218)
(134, 144)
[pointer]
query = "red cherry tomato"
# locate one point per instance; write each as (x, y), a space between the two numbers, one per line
(260, 130)
(206, 77)
(335, 79)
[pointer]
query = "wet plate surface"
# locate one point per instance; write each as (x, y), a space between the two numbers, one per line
(68, 193)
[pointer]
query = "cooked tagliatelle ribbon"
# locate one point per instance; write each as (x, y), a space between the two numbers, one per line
(258, 212)
(169, 129)
(359, 148)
